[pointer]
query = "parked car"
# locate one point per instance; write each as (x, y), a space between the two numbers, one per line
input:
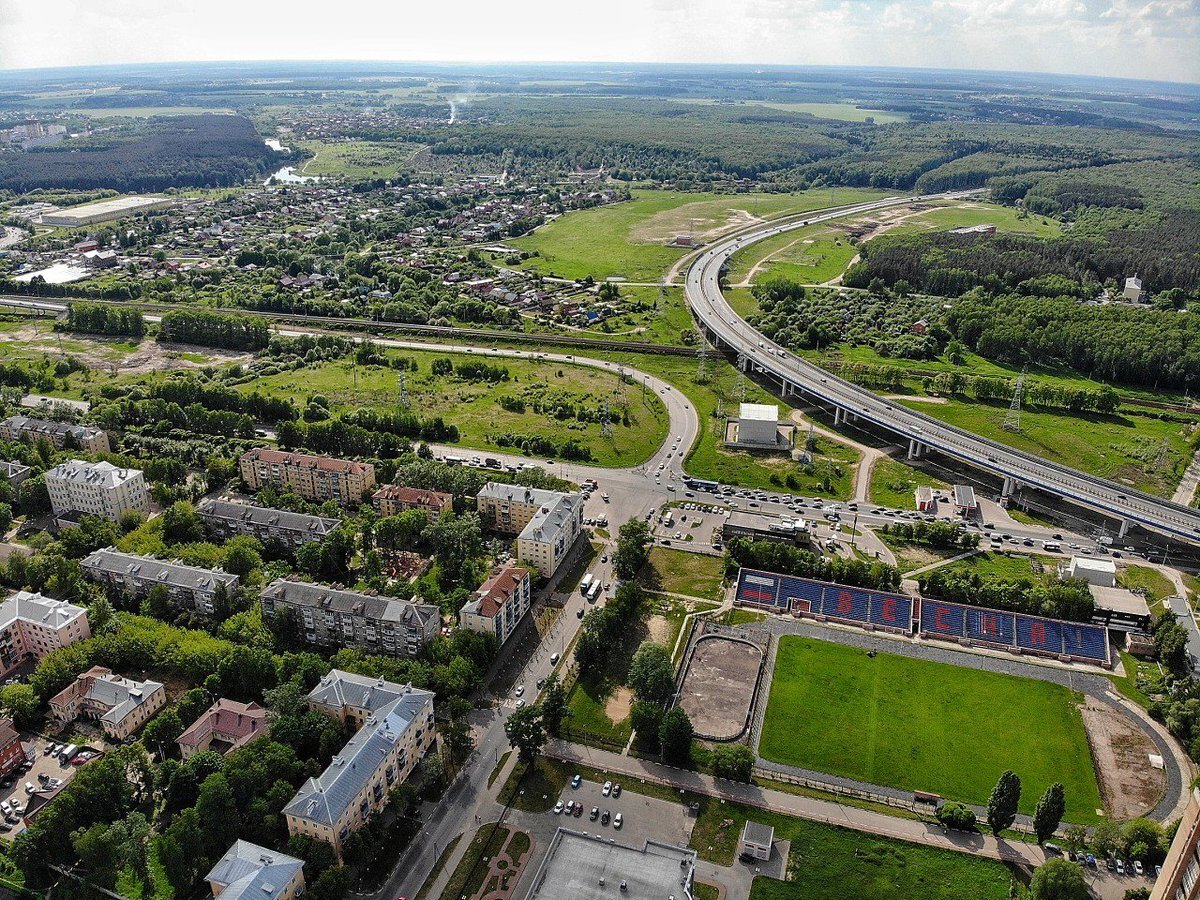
(618, 821)
(607, 789)
(604, 817)
(578, 810)
(616, 791)
(558, 808)
(594, 814)
(577, 780)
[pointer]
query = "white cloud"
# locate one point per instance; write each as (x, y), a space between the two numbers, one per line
(1136, 38)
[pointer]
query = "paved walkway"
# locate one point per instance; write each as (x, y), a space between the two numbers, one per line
(1186, 492)
(814, 810)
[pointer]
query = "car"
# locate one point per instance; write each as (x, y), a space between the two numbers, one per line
(1138, 867)
(554, 659)
(81, 758)
(616, 791)
(5, 808)
(521, 703)
(607, 789)
(1090, 860)
(1120, 867)
(594, 814)
(618, 821)
(579, 614)
(576, 780)
(604, 558)
(520, 690)
(29, 787)
(541, 682)
(558, 808)
(578, 810)
(605, 817)
(50, 749)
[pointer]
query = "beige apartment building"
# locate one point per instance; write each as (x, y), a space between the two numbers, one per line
(1180, 876)
(250, 872)
(316, 478)
(121, 705)
(96, 489)
(397, 731)
(393, 499)
(60, 434)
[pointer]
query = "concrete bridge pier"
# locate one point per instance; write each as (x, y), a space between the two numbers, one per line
(1123, 529)
(916, 449)
(1010, 486)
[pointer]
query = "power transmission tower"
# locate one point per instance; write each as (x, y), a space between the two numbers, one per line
(403, 391)
(1163, 450)
(1012, 422)
(606, 428)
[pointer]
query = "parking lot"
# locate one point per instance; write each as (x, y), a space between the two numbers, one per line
(41, 769)
(644, 818)
(698, 520)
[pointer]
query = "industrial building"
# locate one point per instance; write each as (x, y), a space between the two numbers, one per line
(1100, 572)
(757, 427)
(104, 211)
(591, 867)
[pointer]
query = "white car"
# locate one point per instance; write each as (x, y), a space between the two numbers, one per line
(607, 789)
(520, 690)
(558, 808)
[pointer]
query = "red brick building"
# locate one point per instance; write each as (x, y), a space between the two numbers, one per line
(12, 751)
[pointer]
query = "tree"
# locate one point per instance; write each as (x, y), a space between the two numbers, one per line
(1107, 838)
(1002, 804)
(634, 540)
(646, 719)
(957, 816)
(456, 730)
(181, 524)
(652, 673)
(218, 814)
(733, 761)
(554, 706)
(157, 603)
(675, 737)
(1058, 879)
(20, 703)
(161, 732)
(1075, 839)
(1049, 812)
(525, 733)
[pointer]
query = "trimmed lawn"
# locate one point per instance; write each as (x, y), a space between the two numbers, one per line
(680, 572)
(894, 484)
(475, 408)
(1123, 447)
(919, 725)
(629, 240)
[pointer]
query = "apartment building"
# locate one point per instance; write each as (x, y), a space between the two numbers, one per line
(331, 617)
(1180, 875)
(381, 755)
(121, 705)
(316, 478)
(189, 587)
(545, 542)
(350, 698)
(508, 508)
(393, 499)
(271, 526)
(32, 625)
(225, 726)
(250, 872)
(12, 751)
(499, 604)
(14, 473)
(96, 489)
(60, 434)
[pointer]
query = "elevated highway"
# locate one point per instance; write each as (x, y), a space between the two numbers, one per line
(854, 404)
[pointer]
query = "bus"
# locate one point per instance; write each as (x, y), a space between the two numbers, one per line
(699, 484)
(585, 583)
(595, 591)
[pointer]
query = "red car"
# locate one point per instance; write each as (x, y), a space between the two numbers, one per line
(80, 758)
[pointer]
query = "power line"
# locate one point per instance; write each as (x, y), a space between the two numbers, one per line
(1012, 421)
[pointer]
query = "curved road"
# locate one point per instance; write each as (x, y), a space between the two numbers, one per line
(726, 328)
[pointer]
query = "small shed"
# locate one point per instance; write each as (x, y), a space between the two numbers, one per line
(757, 840)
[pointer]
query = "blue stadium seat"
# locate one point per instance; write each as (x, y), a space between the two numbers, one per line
(1088, 641)
(758, 588)
(990, 626)
(941, 618)
(891, 610)
(1037, 633)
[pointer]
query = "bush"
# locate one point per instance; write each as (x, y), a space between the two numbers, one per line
(956, 816)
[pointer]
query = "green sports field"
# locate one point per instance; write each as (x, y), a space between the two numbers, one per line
(918, 725)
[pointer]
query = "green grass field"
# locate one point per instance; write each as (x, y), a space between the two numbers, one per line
(1007, 219)
(894, 484)
(918, 725)
(1000, 565)
(474, 407)
(655, 314)
(629, 240)
(1156, 585)
(358, 159)
(1123, 447)
(680, 572)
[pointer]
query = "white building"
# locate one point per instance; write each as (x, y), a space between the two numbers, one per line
(756, 842)
(545, 542)
(584, 866)
(1101, 572)
(1134, 292)
(96, 489)
(757, 427)
(499, 604)
(32, 625)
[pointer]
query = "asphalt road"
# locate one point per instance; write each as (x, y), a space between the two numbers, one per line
(702, 287)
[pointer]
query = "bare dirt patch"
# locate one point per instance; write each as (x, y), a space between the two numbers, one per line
(1129, 785)
(659, 628)
(704, 220)
(718, 687)
(110, 355)
(618, 705)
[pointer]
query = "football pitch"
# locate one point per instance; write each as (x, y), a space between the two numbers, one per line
(919, 725)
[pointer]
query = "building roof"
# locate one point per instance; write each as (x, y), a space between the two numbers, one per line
(516, 493)
(250, 871)
(324, 799)
(113, 206)
(104, 474)
(1119, 599)
(339, 690)
(762, 412)
(964, 496)
(491, 596)
(10, 470)
(551, 518)
(305, 460)
(924, 493)
(587, 867)
(26, 424)
(1133, 283)
(370, 606)
(193, 578)
(118, 695)
(1093, 564)
(757, 833)
(317, 526)
(8, 733)
(412, 496)
(242, 721)
(39, 610)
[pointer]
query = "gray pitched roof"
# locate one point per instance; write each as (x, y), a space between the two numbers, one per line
(39, 610)
(340, 689)
(385, 609)
(317, 526)
(549, 520)
(248, 870)
(111, 561)
(324, 799)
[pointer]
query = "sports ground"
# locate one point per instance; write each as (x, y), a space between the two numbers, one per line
(919, 725)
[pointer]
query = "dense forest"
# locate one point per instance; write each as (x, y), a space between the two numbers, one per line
(179, 151)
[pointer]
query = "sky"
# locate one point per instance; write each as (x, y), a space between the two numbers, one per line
(1153, 39)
